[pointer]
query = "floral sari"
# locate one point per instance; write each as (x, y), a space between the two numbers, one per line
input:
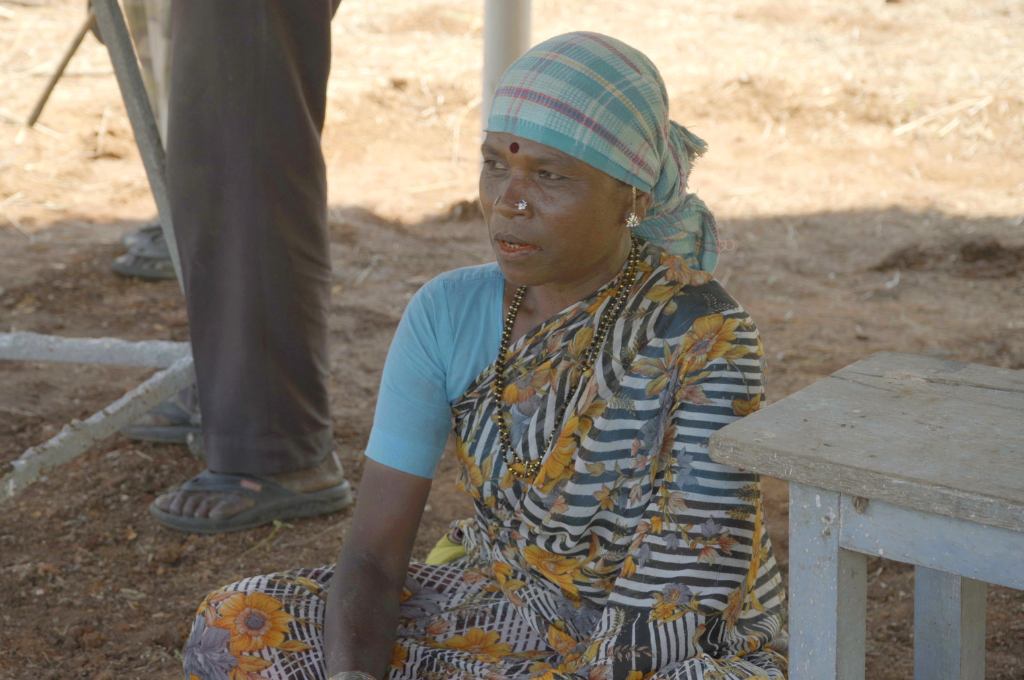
(630, 555)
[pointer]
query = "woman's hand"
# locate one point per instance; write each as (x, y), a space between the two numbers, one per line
(362, 607)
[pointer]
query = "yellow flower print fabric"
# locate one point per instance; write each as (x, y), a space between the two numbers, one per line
(630, 555)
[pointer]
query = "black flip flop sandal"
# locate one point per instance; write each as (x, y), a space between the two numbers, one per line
(272, 502)
(147, 259)
(171, 422)
(143, 234)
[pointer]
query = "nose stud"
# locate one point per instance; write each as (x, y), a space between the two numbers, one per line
(521, 204)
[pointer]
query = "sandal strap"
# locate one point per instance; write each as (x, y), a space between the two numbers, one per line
(246, 485)
(154, 247)
(133, 264)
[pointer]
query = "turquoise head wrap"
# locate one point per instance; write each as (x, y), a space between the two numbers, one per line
(601, 101)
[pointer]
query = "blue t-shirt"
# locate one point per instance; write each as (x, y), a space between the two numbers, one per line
(449, 333)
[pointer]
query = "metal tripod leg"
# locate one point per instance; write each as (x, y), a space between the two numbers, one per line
(112, 27)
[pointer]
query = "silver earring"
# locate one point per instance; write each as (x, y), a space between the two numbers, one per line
(521, 204)
(632, 219)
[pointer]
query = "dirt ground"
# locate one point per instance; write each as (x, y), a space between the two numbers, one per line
(866, 167)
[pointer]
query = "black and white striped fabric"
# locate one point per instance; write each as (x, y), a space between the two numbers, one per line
(631, 554)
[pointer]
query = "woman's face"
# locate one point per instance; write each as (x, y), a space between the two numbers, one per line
(573, 228)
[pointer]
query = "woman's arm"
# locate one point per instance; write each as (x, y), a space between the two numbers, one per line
(362, 606)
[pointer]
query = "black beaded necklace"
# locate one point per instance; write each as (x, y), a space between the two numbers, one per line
(523, 469)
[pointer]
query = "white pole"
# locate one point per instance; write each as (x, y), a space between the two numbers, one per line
(506, 37)
(35, 347)
(78, 437)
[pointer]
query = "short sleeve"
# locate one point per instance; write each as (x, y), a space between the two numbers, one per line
(413, 416)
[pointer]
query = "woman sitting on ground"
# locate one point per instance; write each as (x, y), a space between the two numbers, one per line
(582, 375)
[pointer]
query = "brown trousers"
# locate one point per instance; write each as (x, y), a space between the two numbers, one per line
(248, 196)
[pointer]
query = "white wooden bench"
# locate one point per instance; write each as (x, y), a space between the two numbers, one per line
(914, 459)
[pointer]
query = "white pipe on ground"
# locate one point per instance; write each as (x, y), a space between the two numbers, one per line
(78, 436)
(36, 347)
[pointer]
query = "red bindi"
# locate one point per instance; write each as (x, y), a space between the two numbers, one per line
(514, 147)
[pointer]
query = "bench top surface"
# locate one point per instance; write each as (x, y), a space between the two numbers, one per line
(939, 436)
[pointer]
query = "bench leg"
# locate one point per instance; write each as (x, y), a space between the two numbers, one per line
(949, 626)
(827, 591)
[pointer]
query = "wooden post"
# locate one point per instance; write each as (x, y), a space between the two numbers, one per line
(949, 626)
(827, 591)
(506, 37)
(80, 34)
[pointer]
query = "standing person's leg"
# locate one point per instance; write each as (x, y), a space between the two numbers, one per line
(249, 199)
